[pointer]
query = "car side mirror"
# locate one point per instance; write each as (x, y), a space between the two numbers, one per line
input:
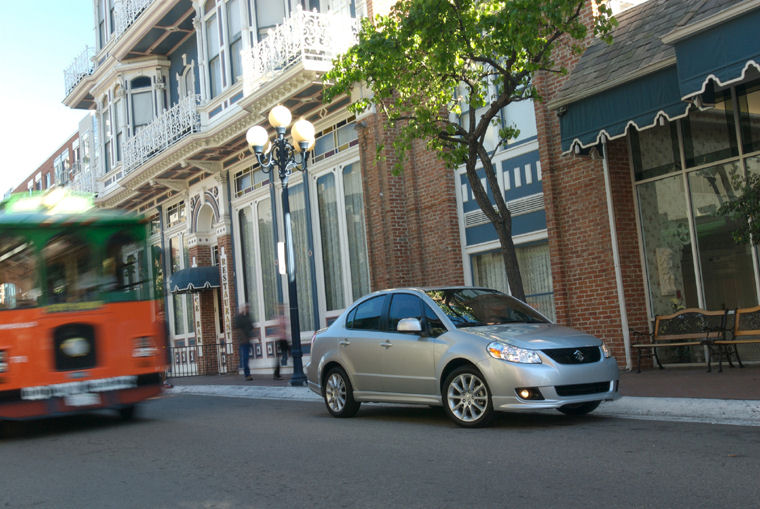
(409, 325)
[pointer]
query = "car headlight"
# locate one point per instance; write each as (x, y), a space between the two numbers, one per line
(606, 351)
(503, 351)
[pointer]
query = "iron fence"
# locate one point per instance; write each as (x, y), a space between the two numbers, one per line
(206, 359)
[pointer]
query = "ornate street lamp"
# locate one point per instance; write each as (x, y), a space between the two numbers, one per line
(282, 154)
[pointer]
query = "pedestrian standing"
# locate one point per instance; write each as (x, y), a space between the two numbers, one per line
(244, 326)
(281, 346)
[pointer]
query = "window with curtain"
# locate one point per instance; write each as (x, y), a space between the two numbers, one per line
(248, 261)
(357, 244)
(268, 14)
(327, 201)
(142, 102)
(307, 319)
(214, 58)
(268, 265)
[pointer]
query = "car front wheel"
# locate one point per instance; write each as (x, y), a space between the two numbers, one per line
(579, 408)
(339, 395)
(466, 398)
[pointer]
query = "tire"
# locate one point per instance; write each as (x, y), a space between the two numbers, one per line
(339, 394)
(467, 398)
(579, 408)
(127, 413)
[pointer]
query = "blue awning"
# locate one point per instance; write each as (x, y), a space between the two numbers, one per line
(639, 103)
(723, 53)
(194, 279)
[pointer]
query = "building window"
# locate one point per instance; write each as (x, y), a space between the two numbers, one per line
(175, 214)
(689, 256)
(141, 93)
(214, 56)
(234, 35)
(269, 13)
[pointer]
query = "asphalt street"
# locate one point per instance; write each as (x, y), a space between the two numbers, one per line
(190, 451)
(710, 411)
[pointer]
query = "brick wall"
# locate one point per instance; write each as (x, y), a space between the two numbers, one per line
(578, 226)
(411, 218)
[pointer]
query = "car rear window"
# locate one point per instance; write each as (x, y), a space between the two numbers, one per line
(367, 314)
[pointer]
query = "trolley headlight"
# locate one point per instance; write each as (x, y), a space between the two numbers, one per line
(3, 361)
(606, 351)
(143, 347)
(503, 351)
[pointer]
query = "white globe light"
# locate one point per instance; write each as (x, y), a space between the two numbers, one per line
(257, 137)
(302, 130)
(280, 116)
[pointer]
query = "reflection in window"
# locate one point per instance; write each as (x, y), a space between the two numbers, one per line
(667, 248)
(723, 263)
(18, 273)
(710, 135)
(749, 109)
(655, 151)
(248, 260)
(403, 305)
(367, 314)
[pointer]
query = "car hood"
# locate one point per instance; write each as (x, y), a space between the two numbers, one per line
(535, 336)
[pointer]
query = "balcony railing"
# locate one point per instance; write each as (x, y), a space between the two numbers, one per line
(176, 123)
(311, 38)
(83, 177)
(82, 66)
(125, 13)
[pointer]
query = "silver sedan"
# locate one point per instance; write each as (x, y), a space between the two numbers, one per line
(472, 350)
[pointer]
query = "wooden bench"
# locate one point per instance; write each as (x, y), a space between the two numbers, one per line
(746, 330)
(685, 328)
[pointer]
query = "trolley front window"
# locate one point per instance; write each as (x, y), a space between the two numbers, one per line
(18, 273)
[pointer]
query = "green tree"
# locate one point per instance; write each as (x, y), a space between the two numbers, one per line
(443, 70)
(744, 212)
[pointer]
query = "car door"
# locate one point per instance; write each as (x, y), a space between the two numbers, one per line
(408, 356)
(360, 348)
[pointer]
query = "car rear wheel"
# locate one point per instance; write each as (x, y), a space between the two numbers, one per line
(127, 413)
(339, 395)
(579, 408)
(467, 399)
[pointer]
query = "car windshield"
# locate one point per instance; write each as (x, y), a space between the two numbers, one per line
(474, 307)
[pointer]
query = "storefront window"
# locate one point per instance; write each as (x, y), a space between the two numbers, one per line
(357, 247)
(655, 151)
(248, 261)
(667, 247)
(710, 135)
(725, 265)
(330, 236)
(749, 110)
(307, 320)
(268, 265)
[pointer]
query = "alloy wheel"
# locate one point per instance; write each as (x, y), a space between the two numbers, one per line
(467, 397)
(335, 392)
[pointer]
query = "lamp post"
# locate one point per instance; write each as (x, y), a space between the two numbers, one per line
(282, 154)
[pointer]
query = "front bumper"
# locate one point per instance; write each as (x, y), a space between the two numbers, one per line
(558, 384)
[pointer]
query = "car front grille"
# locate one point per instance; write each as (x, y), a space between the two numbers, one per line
(582, 355)
(581, 389)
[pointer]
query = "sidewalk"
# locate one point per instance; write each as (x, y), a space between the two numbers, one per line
(682, 394)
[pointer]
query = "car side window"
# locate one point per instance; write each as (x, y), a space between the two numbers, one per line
(403, 305)
(435, 325)
(367, 315)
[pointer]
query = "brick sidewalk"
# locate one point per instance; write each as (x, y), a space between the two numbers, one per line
(687, 382)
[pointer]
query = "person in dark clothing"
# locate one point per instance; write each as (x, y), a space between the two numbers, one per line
(244, 325)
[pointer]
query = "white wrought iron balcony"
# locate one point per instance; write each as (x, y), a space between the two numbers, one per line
(311, 38)
(174, 124)
(125, 13)
(82, 66)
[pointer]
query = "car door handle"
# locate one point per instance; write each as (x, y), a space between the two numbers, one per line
(386, 345)
(344, 342)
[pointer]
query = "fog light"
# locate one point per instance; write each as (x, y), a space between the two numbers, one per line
(529, 393)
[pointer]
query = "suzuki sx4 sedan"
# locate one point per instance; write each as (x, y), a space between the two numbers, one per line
(474, 351)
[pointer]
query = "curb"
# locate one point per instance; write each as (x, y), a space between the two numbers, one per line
(708, 411)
